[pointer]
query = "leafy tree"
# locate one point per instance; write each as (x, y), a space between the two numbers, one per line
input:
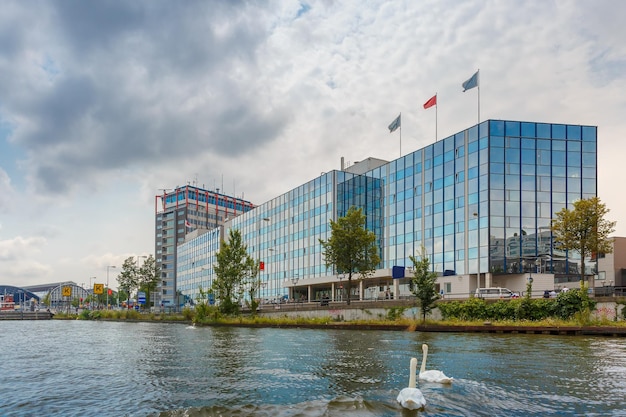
(584, 230)
(46, 299)
(128, 278)
(148, 277)
(351, 248)
(423, 283)
(233, 271)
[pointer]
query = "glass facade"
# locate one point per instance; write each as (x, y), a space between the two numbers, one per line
(479, 202)
(482, 200)
(183, 210)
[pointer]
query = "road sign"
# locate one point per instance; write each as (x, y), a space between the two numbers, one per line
(67, 291)
(141, 297)
(98, 288)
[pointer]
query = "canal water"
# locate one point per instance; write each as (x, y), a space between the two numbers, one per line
(88, 368)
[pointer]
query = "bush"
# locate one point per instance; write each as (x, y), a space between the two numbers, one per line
(394, 313)
(564, 307)
(188, 313)
(572, 302)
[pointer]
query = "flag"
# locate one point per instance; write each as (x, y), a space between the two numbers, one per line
(395, 124)
(431, 102)
(261, 265)
(471, 83)
(187, 224)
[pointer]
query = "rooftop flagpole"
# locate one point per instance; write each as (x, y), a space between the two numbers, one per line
(478, 84)
(430, 103)
(471, 83)
(397, 123)
(400, 134)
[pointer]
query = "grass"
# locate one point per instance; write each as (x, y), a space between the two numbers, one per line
(274, 321)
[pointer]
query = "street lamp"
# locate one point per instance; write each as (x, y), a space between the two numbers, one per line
(137, 263)
(108, 267)
(340, 277)
(536, 264)
(91, 303)
(295, 280)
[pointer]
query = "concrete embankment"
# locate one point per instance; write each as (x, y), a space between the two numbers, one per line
(25, 315)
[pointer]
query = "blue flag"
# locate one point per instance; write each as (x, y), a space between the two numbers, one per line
(395, 124)
(471, 83)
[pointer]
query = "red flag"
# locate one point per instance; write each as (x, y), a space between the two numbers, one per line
(262, 266)
(431, 102)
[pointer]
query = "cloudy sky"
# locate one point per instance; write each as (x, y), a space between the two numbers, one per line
(105, 103)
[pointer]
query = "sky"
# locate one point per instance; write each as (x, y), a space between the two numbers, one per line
(103, 104)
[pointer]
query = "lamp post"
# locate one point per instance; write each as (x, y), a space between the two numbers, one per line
(294, 279)
(108, 267)
(91, 303)
(537, 263)
(340, 277)
(262, 286)
(269, 272)
(137, 263)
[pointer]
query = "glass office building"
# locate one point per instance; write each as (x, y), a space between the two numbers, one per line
(479, 202)
(179, 212)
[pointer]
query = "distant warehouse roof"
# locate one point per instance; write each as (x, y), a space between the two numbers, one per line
(17, 293)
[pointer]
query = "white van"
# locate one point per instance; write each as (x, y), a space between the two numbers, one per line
(495, 292)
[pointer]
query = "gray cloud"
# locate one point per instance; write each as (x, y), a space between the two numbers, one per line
(138, 79)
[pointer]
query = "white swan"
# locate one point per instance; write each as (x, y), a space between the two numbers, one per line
(412, 397)
(432, 376)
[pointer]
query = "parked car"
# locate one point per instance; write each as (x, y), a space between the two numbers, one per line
(495, 292)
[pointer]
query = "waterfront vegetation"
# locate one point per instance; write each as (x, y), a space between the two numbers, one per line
(571, 308)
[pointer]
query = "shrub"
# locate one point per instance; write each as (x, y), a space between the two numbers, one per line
(188, 313)
(569, 303)
(394, 313)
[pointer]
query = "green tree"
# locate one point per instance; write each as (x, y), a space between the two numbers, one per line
(583, 229)
(128, 278)
(351, 248)
(148, 277)
(233, 271)
(423, 283)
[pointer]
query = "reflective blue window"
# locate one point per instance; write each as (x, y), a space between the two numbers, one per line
(497, 168)
(496, 128)
(558, 171)
(512, 156)
(497, 142)
(573, 146)
(573, 132)
(543, 131)
(573, 159)
(528, 130)
(589, 146)
(589, 186)
(512, 128)
(528, 156)
(558, 131)
(558, 158)
(589, 159)
(483, 143)
(528, 143)
(496, 155)
(589, 133)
